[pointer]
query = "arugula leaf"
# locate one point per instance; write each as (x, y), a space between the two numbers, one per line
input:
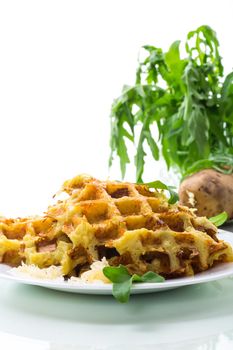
(219, 219)
(152, 144)
(151, 277)
(217, 161)
(122, 281)
(117, 274)
(160, 185)
(187, 100)
(121, 291)
(139, 159)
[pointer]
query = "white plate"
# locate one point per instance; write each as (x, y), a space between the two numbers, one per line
(218, 272)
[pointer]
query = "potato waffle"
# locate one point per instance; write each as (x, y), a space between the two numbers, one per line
(127, 223)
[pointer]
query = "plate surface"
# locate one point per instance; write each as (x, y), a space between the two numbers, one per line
(218, 272)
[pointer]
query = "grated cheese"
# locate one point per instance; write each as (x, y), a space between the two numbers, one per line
(94, 275)
(32, 271)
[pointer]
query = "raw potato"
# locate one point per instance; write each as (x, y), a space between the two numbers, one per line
(209, 191)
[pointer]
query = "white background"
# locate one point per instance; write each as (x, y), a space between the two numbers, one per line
(61, 65)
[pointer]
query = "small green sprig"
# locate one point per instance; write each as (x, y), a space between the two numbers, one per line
(122, 281)
(219, 219)
(161, 186)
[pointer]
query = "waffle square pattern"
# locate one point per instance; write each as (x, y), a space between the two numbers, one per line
(128, 224)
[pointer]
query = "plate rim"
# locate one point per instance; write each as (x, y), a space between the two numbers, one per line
(216, 273)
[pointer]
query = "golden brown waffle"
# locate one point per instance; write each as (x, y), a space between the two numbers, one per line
(127, 223)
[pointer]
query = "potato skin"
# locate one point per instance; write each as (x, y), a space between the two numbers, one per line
(213, 192)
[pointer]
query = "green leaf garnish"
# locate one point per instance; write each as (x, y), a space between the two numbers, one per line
(117, 274)
(151, 277)
(219, 219)
(122, 281)
(160, 185)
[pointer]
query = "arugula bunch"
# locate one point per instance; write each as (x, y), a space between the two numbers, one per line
(186, 100)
